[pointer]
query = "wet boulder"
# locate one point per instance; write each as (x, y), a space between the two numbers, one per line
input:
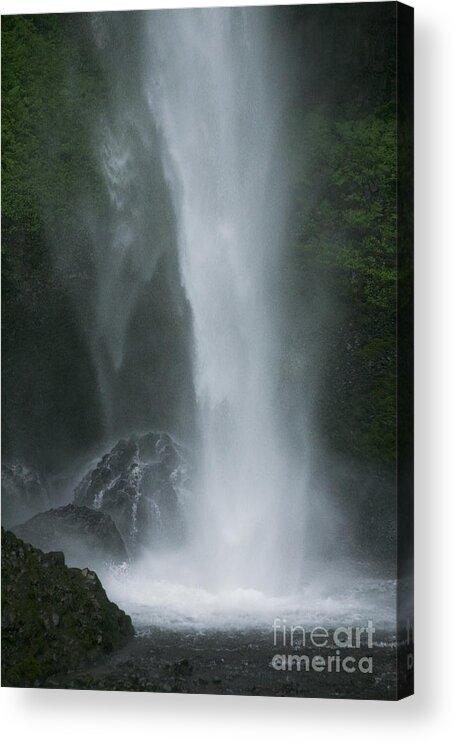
(24, 493)
(142, 483)
(54, 618)
(87, 537)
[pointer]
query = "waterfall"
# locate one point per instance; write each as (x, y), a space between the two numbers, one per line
(218, 119)
(214, 354)
(192, 146)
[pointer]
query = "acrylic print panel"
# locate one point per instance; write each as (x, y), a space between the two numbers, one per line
(207, 379)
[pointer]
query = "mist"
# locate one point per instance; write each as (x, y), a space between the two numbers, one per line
(199, 323)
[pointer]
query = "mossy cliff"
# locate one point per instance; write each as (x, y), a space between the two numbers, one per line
(54, 618)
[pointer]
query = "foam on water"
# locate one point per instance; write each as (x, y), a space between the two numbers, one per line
(154, 601)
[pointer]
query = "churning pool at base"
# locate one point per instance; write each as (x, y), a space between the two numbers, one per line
(174, 605)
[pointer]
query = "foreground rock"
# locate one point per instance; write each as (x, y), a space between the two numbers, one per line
(142, 484)
(54, 618)
(85, 536)
(24, 493)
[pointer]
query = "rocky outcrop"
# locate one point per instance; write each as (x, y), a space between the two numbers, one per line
(54, 618)
(86, 536)
(24, 493)
(142, 484)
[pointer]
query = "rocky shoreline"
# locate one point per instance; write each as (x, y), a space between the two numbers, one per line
(59, 630)
(224, 662)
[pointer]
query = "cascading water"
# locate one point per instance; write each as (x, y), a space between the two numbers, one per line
(219, 126)
(207, 110)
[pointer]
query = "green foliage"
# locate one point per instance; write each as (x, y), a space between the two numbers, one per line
(341, 231)
(48, 91)
(51, 87)
(345, 236)
(352, 226)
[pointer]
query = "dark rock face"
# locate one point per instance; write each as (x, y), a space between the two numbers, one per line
(24, 493)
(85, 536)
(142, 483)
(54, 618)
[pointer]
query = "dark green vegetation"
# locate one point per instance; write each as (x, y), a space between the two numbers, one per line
(346, 238)
(56, 213)
(339, 278)
(342, 249)
(62, 616)
(341, 235)
(49, 386)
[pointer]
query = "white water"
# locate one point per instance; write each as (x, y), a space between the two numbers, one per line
(218, 121)
(152, 596)
(207, 83)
